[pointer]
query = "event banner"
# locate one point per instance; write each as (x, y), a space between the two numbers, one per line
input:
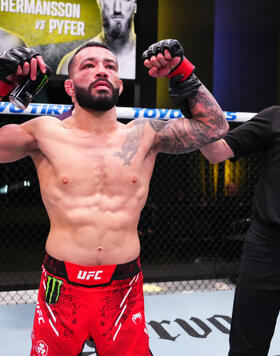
(57, 28)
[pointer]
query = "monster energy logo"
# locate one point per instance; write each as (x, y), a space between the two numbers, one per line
(52, 290)
(42, 83)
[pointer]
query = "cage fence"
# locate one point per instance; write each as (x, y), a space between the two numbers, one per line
(191, 229)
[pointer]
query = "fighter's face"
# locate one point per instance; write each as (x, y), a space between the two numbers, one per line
(95, 79)
(117, 17)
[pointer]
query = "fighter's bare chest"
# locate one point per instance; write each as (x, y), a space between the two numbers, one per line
(94, 163)
(100, 163)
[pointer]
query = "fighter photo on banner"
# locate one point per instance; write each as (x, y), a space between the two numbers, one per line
(57, 28)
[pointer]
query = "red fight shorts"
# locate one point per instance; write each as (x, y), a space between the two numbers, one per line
(77, 303)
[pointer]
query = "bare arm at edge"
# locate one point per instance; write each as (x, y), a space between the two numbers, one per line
(217, 151)
(16, 142)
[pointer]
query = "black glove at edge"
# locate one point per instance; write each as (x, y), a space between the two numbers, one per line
(9, 60)
(181, 91)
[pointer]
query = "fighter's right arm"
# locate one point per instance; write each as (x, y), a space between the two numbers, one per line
(16, 64)
(217, 151)
(16, 142)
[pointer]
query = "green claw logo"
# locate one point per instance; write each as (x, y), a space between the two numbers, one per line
(53, 290)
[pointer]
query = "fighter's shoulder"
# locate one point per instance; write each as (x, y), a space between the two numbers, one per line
(134, 122)
(42, 122)
(142, 123)
(151, 125)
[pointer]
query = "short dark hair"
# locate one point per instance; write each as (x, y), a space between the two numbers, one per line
(85, 45)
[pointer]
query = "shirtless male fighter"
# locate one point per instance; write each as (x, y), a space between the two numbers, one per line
(94, 175)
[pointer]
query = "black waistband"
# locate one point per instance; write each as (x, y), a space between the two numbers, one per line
(122, 271)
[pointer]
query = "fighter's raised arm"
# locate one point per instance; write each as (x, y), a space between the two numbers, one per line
(204, 120)
(16, 65)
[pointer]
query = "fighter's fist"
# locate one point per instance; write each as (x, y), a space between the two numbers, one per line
(17, 63)
(166, 58)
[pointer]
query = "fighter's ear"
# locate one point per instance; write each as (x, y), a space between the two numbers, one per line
(120, 87)
(69, 87)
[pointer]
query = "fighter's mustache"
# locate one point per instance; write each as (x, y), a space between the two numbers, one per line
(100, 80)
(119, 16)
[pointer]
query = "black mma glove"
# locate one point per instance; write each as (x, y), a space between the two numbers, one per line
(183, 82)
(9, 61)
(181, 91)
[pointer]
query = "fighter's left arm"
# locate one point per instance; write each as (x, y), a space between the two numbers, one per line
(183, 135)
(204, 120)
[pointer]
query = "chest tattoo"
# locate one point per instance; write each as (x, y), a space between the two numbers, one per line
(131, 144)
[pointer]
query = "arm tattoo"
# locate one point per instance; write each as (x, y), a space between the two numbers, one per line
(132, 142)
(157, 125)
(186, 135)
(172, 136)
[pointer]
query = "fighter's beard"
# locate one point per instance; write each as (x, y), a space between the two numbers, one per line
(115, 30)
(98, 102)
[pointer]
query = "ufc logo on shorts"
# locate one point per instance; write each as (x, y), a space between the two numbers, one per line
(42, 348)
(86, 275)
